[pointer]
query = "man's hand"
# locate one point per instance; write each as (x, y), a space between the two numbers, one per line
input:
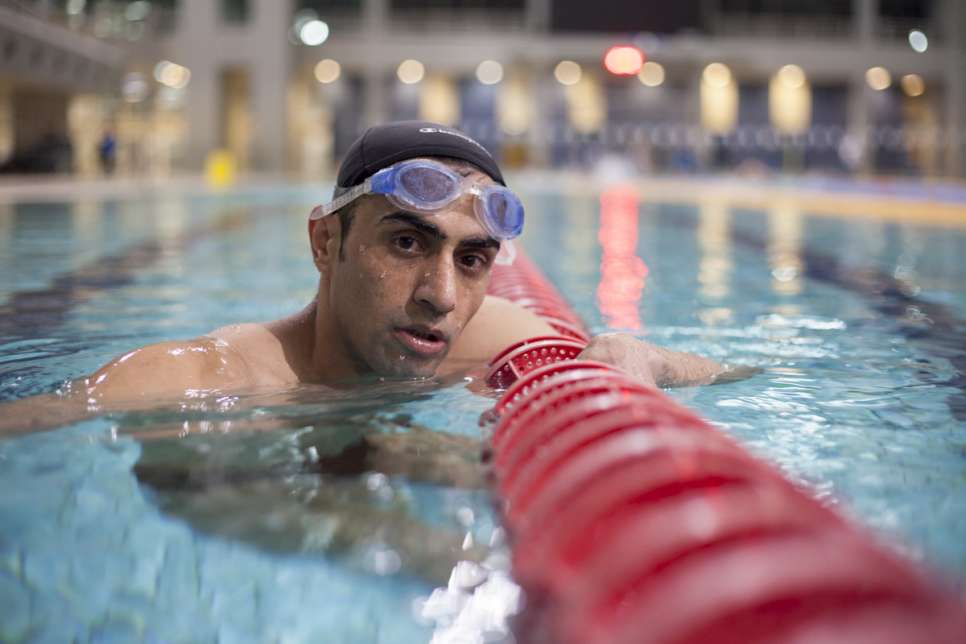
(650, 364)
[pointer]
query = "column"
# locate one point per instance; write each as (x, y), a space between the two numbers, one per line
(269, 83)
(865, 18)
(375, 17)
(197, 21)
(539, 15)
(954, 19)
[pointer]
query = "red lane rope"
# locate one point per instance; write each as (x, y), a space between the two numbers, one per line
(633, 520)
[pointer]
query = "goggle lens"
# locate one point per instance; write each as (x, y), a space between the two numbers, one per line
(504, 212)
(427, 185)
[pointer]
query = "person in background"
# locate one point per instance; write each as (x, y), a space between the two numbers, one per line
(107, 151)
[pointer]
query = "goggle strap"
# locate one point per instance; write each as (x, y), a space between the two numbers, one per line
(342, 200)
(507, 254)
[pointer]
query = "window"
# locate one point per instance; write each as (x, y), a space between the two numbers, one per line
(235, 11)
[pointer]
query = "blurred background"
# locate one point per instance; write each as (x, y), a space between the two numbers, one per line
(154, 88)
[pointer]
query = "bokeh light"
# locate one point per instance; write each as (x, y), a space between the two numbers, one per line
(791, 76)
(489, 72)
(790, 101)
(515, 105)
(410, 71)
(623, 60)
(327, 71)
(314, 33)
(439, 99)
(719, 99)
(171, 74)
(717, 75)
(878, 78)
(913, 85)
(918, 41)
(567, 72)
(651, 74)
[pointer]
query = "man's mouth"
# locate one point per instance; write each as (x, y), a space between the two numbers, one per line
(422, 340)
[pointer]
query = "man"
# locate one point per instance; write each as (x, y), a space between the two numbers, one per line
(404, 254)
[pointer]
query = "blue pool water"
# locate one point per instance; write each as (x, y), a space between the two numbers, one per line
(185, 524)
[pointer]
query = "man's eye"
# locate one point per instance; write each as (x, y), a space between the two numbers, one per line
(406, 243)
(474, 262)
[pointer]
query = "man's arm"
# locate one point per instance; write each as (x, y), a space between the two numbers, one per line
(144, 377)
(651, 364)
(500, 323)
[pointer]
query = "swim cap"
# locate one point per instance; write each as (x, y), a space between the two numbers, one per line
(383, 145)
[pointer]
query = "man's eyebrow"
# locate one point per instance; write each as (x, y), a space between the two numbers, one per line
(480, 243)
(416, 222)
(424, 226)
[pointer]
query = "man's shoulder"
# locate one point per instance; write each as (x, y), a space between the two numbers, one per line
(262, 347)
(497, 312)
(241, 336)
(497, 324)
(170, 369)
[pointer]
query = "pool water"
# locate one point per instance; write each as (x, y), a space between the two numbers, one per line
(209, 520)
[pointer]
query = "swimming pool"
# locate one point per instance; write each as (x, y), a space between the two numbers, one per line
(205, 530)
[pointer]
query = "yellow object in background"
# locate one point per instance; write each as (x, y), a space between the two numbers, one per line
(719, 99)
(790, 100)
(220, 168)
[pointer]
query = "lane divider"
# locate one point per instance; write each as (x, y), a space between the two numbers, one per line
(633, 520)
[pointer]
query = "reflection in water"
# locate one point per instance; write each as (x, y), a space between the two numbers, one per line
(622, 272)
(172, 217)
(324, 473)
(86, 215)
(6, 224)
(311, 470)
(715, 268)
(913, 244)
(784, 250)
(581, 256)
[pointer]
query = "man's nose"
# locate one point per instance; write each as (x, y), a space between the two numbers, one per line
(436, 288)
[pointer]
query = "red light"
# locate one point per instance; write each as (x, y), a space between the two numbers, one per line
(624, 60)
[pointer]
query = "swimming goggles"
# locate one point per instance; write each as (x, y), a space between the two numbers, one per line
(427, 186)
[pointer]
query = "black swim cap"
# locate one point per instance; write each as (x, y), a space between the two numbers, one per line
(383, 145)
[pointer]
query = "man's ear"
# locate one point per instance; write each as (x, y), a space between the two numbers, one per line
(325, 238)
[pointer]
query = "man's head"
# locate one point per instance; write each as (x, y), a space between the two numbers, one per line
(399, 284)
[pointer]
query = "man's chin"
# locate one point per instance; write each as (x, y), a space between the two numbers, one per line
(404, 367)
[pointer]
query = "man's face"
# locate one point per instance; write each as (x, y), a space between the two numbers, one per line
(408, 282)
